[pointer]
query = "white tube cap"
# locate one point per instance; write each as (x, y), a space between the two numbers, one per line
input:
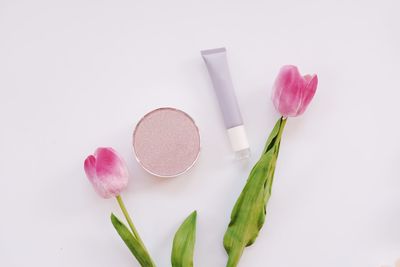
(239, 143)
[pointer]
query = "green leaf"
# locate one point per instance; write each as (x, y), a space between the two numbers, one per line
(183, 246)
(248, 214)
(131, 242)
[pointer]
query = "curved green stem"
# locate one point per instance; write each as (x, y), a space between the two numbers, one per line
(129, 220)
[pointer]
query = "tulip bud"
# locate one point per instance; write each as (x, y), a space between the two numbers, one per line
(107, 172)
(292, 92)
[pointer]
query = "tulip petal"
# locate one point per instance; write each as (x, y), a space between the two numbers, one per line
(308, 91)
(287, 91)
(108, 162)
(90, 167)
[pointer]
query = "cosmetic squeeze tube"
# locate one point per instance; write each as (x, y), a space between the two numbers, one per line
(217, 66)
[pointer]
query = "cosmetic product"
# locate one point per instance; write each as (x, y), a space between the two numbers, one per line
(217, 66)
(166, 142)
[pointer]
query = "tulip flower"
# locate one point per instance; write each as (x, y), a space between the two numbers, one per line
(107, 172)
(291, 95)
(109, 176)
(292, 92)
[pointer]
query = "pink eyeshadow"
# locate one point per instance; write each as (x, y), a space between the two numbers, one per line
(166, 142)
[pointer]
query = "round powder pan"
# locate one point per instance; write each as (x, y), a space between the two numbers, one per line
(166, 142)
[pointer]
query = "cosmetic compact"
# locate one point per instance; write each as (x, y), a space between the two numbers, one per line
(166, 142)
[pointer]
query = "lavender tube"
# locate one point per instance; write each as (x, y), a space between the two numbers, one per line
(217, 66)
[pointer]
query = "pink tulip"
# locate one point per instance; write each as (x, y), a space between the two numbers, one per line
(292, 92)
(107, 172)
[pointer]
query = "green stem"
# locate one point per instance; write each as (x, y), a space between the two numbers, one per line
(284, 120)
(129, 220)
(234, 257)
(279, 126)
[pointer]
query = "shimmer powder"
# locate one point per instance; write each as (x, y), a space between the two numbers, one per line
(166, 142)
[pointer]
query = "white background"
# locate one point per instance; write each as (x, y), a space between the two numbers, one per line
(75, 75)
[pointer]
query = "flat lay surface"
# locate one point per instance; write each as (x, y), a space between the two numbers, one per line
(75, 75)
